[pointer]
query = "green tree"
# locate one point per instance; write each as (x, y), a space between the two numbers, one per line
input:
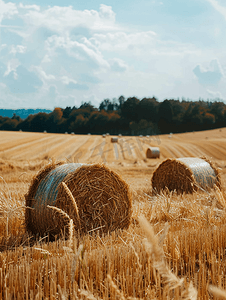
(165, 116)
(129, 109)
(148, 109)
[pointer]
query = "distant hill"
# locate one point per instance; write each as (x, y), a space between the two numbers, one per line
(23, 113)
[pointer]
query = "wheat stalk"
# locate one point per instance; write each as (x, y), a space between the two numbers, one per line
(71, 197)
(217, 292)
(87, 294)
(114, 286)
(57, 209)
(70, 222)
(220, 196)
(157, 254)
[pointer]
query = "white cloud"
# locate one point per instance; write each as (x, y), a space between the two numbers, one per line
(118, 65)
(42, 74)
(18, 49)
(66, 80)
(215, 94)
(59, 19)
(46, 59)
(221, 9)
(211, 75)
(63, 56)
(11, 67)
(7, 10)
(28, 7)
(75, 49)
(121, 41)
(107, 13)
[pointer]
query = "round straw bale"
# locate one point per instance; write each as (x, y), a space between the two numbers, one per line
(185, 175)
(93, 196)
(153, 152)
(114, 140)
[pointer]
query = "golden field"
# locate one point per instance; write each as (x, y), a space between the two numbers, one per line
(181, 260)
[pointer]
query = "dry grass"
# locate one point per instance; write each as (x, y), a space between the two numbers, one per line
(176, 252)
(183, 254)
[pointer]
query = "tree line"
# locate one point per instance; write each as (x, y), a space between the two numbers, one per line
(130, 116)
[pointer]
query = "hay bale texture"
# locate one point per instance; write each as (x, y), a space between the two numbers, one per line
(185, 175)
(93, 196)
(153, 152)
(114, 140)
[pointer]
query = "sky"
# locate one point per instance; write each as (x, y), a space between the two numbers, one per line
(64, 53)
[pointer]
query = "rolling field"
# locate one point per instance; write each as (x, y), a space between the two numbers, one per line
(22, 146)
(180, 259)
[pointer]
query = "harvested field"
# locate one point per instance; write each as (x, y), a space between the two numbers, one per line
(176, 252)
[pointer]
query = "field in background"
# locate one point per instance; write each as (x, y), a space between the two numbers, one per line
(117, 265)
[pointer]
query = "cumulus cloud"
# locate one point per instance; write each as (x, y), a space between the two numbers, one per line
(211, 75)
(7, 10)
(215, 94)
(107, 13)
(29, 7)
(123, 41)
(60, 55)
(58, 19)
(77, 50)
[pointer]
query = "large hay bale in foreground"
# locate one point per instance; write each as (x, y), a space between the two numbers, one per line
(153, 152)
(93, 196)
(185, 175)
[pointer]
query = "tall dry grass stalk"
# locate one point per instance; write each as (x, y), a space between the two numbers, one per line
(73, 202)
(217, 292)
(159, 263)
(186, 239)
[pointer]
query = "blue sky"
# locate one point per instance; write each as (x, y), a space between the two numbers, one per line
(62, 53)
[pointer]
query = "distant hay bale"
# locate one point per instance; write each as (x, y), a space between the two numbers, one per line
(114, 140)
(103, 135)
(153, 152)
(185, 175)
(93, 196)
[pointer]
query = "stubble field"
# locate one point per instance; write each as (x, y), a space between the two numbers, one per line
(184, 257)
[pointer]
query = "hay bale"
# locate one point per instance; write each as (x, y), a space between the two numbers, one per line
(114, 140)
(153, 152)
(93, 196)
(185, 175)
